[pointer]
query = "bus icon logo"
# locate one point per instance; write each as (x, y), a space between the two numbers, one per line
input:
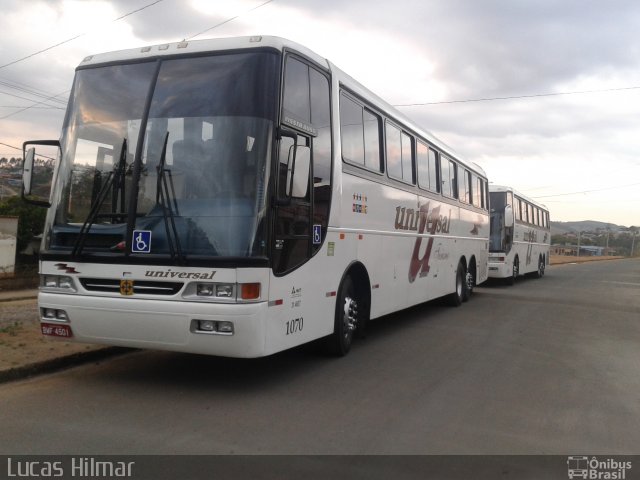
(578, 467)
(141, 241)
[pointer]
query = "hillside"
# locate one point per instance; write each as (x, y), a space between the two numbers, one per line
(559, 228)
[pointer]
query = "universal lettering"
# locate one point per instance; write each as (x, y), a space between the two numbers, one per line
(183, 275)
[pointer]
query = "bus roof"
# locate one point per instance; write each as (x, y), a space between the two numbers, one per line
(194, 47)
(502, 188)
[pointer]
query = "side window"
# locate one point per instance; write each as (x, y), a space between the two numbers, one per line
(360, 132)
(477, 190)
(372, 141)
(446, 177)
(461, 186)
(449, 171)
(351, 130)
(466, 191)
(434, 183)
(399, 154)
(453, 172)
(422, 159)
(407, 159)
(427, 167)
(516, 208)
(296, 84)
(394, 151)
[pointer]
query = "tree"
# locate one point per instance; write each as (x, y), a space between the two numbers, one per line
(30, 219)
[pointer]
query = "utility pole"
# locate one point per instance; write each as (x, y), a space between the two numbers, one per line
(633, 242)
(578, 252)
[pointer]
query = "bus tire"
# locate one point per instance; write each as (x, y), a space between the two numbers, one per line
(541, 265)
(515, 271)
(470, 279)
(346, 319)
(456, 298)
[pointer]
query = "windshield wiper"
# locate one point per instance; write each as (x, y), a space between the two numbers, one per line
(115, 182)
(166, 199)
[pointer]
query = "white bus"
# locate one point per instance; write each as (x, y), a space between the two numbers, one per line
(239, 197)
(520, 235)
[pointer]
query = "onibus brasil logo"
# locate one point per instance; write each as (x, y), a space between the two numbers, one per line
(594, 468)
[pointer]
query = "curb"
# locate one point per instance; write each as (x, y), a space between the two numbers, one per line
(20, 294)
(60, 363)
(15, 299)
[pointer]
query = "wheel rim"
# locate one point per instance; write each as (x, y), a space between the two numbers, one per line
(349, 317)
(470, 281)
(541, 268)
(515, 270)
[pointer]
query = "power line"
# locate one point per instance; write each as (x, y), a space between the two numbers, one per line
(10, 146)
(29, 90)
(76, 37)
(588, 191)
(46, 107)
(516, 97)
(25, 98)
(227, 21)
(34, 105)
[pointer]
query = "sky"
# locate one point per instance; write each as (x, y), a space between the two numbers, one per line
(563, 126)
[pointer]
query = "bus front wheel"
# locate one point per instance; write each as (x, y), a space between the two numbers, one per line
(514, 272)
(346, 321)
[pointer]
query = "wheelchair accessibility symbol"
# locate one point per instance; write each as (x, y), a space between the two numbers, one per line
(141, 241)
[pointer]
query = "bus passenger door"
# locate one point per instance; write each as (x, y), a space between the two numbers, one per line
(292, 233)
(301, 220)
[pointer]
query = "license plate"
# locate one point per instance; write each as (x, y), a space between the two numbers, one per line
(54, 330)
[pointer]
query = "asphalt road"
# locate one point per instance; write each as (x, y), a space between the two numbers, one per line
(547, 366)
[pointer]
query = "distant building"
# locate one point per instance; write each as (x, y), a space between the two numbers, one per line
(585, 250)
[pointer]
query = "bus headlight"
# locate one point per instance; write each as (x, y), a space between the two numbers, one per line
(204, 289)
(54, 314)
(227, 291)
(212, 327)
(224, 290)
(57, 281)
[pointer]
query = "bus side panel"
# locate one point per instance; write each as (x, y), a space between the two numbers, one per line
(302, 303)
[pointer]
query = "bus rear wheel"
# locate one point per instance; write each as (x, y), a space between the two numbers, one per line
(470, 279)
(541, 265)
(347, 317)
(514, 272)
(456, 298)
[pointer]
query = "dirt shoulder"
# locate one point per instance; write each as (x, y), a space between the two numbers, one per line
(562, 259)
(23, 348)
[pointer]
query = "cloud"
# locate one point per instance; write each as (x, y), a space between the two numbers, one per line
(408, 51)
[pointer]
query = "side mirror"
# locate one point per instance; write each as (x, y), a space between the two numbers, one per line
(298, 175)
(27, 169)
(508, 216)
(38, 173)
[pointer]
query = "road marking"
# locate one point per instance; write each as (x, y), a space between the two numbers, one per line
(621, 283)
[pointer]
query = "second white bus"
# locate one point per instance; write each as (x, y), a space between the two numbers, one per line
(520, 235)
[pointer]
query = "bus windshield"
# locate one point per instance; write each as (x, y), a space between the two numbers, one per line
(188, 138)
(498, 235)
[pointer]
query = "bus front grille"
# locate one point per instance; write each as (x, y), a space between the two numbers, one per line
(140, 287)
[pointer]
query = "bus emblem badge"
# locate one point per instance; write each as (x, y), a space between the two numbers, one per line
(126, 287)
